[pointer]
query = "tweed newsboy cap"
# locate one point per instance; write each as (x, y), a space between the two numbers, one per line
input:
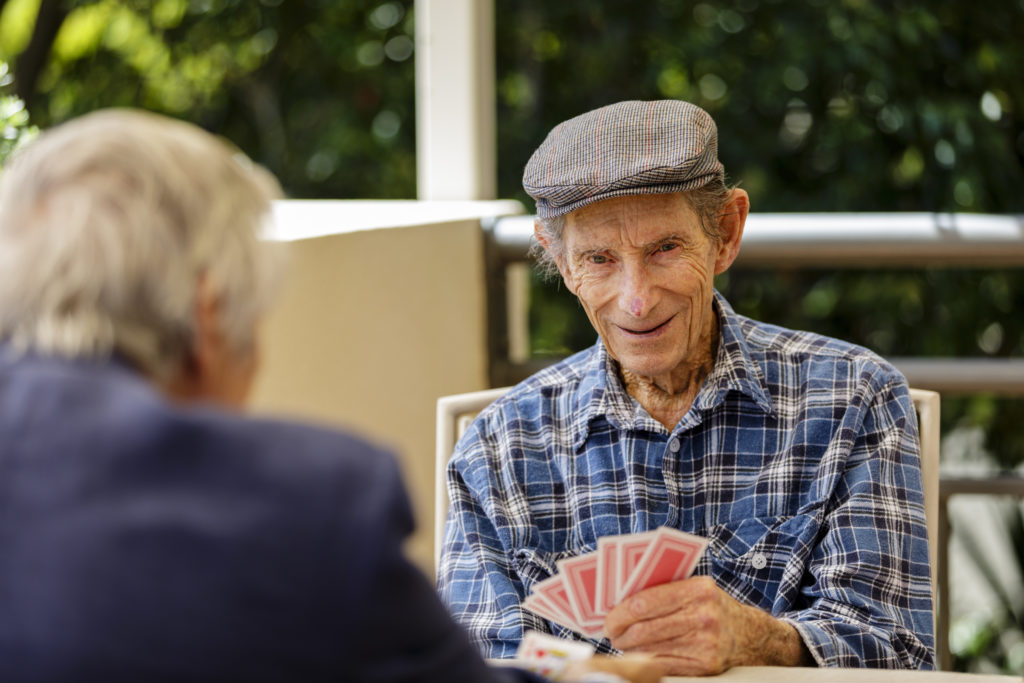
(627, 148)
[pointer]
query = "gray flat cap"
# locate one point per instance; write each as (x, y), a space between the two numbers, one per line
(627, 148)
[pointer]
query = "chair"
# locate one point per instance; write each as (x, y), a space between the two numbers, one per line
(926, 403)
(456, 412)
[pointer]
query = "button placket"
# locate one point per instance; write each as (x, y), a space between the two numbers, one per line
(673, 476)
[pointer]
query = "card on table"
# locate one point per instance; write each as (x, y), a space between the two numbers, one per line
(547, 655)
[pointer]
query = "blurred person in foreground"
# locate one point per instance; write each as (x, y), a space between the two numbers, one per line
(795, 455)
(150, 531)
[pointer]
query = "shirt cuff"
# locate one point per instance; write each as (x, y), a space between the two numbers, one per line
(823, 645)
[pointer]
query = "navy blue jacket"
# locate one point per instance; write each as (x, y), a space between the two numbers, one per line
(145, 541)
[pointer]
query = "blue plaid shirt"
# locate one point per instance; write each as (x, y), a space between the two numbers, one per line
(799, 461)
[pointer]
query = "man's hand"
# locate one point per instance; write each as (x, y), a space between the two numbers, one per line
(693, 627)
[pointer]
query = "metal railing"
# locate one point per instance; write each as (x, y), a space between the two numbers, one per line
(856, 240)
(819, 240)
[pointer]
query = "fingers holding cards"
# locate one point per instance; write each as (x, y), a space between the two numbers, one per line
(586, 587)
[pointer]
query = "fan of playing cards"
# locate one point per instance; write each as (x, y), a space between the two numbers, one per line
(588, 586)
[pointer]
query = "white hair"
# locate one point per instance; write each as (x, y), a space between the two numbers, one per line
(108, 224)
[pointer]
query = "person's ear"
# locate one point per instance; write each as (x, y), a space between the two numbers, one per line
(730, 225)
(191, 381)
(557, 255)
(222, 373)
(208, 344)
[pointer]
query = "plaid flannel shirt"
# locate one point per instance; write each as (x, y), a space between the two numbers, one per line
(799, 461)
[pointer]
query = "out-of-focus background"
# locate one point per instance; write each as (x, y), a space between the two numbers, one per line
(822, 106)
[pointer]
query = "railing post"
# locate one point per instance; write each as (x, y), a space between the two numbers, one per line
(455, 100)
(943, 659)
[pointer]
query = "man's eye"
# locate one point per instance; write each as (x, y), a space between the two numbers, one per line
(598, 258)
(668, 246)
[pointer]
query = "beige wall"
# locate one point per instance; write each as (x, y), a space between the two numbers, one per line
(371, 327)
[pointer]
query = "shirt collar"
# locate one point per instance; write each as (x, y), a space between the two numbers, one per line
(735, 368)
(601, 395)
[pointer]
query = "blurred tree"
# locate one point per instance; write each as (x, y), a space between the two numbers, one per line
(15, 129)
(297, 85)
(822, 106)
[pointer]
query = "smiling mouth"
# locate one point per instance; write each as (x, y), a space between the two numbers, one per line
(648, 331)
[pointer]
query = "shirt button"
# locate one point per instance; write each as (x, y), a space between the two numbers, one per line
(673, 445)
(759, 561)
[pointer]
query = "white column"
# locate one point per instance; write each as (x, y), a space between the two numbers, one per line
(455, 99)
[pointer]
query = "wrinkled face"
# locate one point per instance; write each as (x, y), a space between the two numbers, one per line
(643, 269)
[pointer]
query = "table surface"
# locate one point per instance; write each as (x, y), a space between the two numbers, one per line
(780, 674)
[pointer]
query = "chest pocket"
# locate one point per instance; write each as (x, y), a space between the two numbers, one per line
(761, 561)
(533, 566)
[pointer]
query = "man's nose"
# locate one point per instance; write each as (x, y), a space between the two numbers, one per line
(637, 294)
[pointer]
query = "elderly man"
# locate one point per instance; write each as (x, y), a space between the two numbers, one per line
(795, 455)
(149, 531)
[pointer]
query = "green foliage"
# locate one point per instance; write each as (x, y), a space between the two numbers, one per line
(14, 124)
(320, 92)
(851, 105)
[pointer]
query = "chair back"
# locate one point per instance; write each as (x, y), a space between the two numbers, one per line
(454, 415)
(926, 403)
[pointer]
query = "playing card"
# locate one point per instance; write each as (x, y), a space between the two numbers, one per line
(671, 556)
(553, 591)
(548, 655)
(632, 548)
(607, 592)
(540, 606)
(588, 586)
(579, 575)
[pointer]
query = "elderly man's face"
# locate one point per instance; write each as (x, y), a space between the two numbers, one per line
(643, 269)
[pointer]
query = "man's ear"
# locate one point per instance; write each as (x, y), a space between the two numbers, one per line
(200, 366)
(209, 341)
(213, 370)
(544, 240)
(730, 223)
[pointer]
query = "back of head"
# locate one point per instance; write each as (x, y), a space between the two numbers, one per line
(109, 222)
